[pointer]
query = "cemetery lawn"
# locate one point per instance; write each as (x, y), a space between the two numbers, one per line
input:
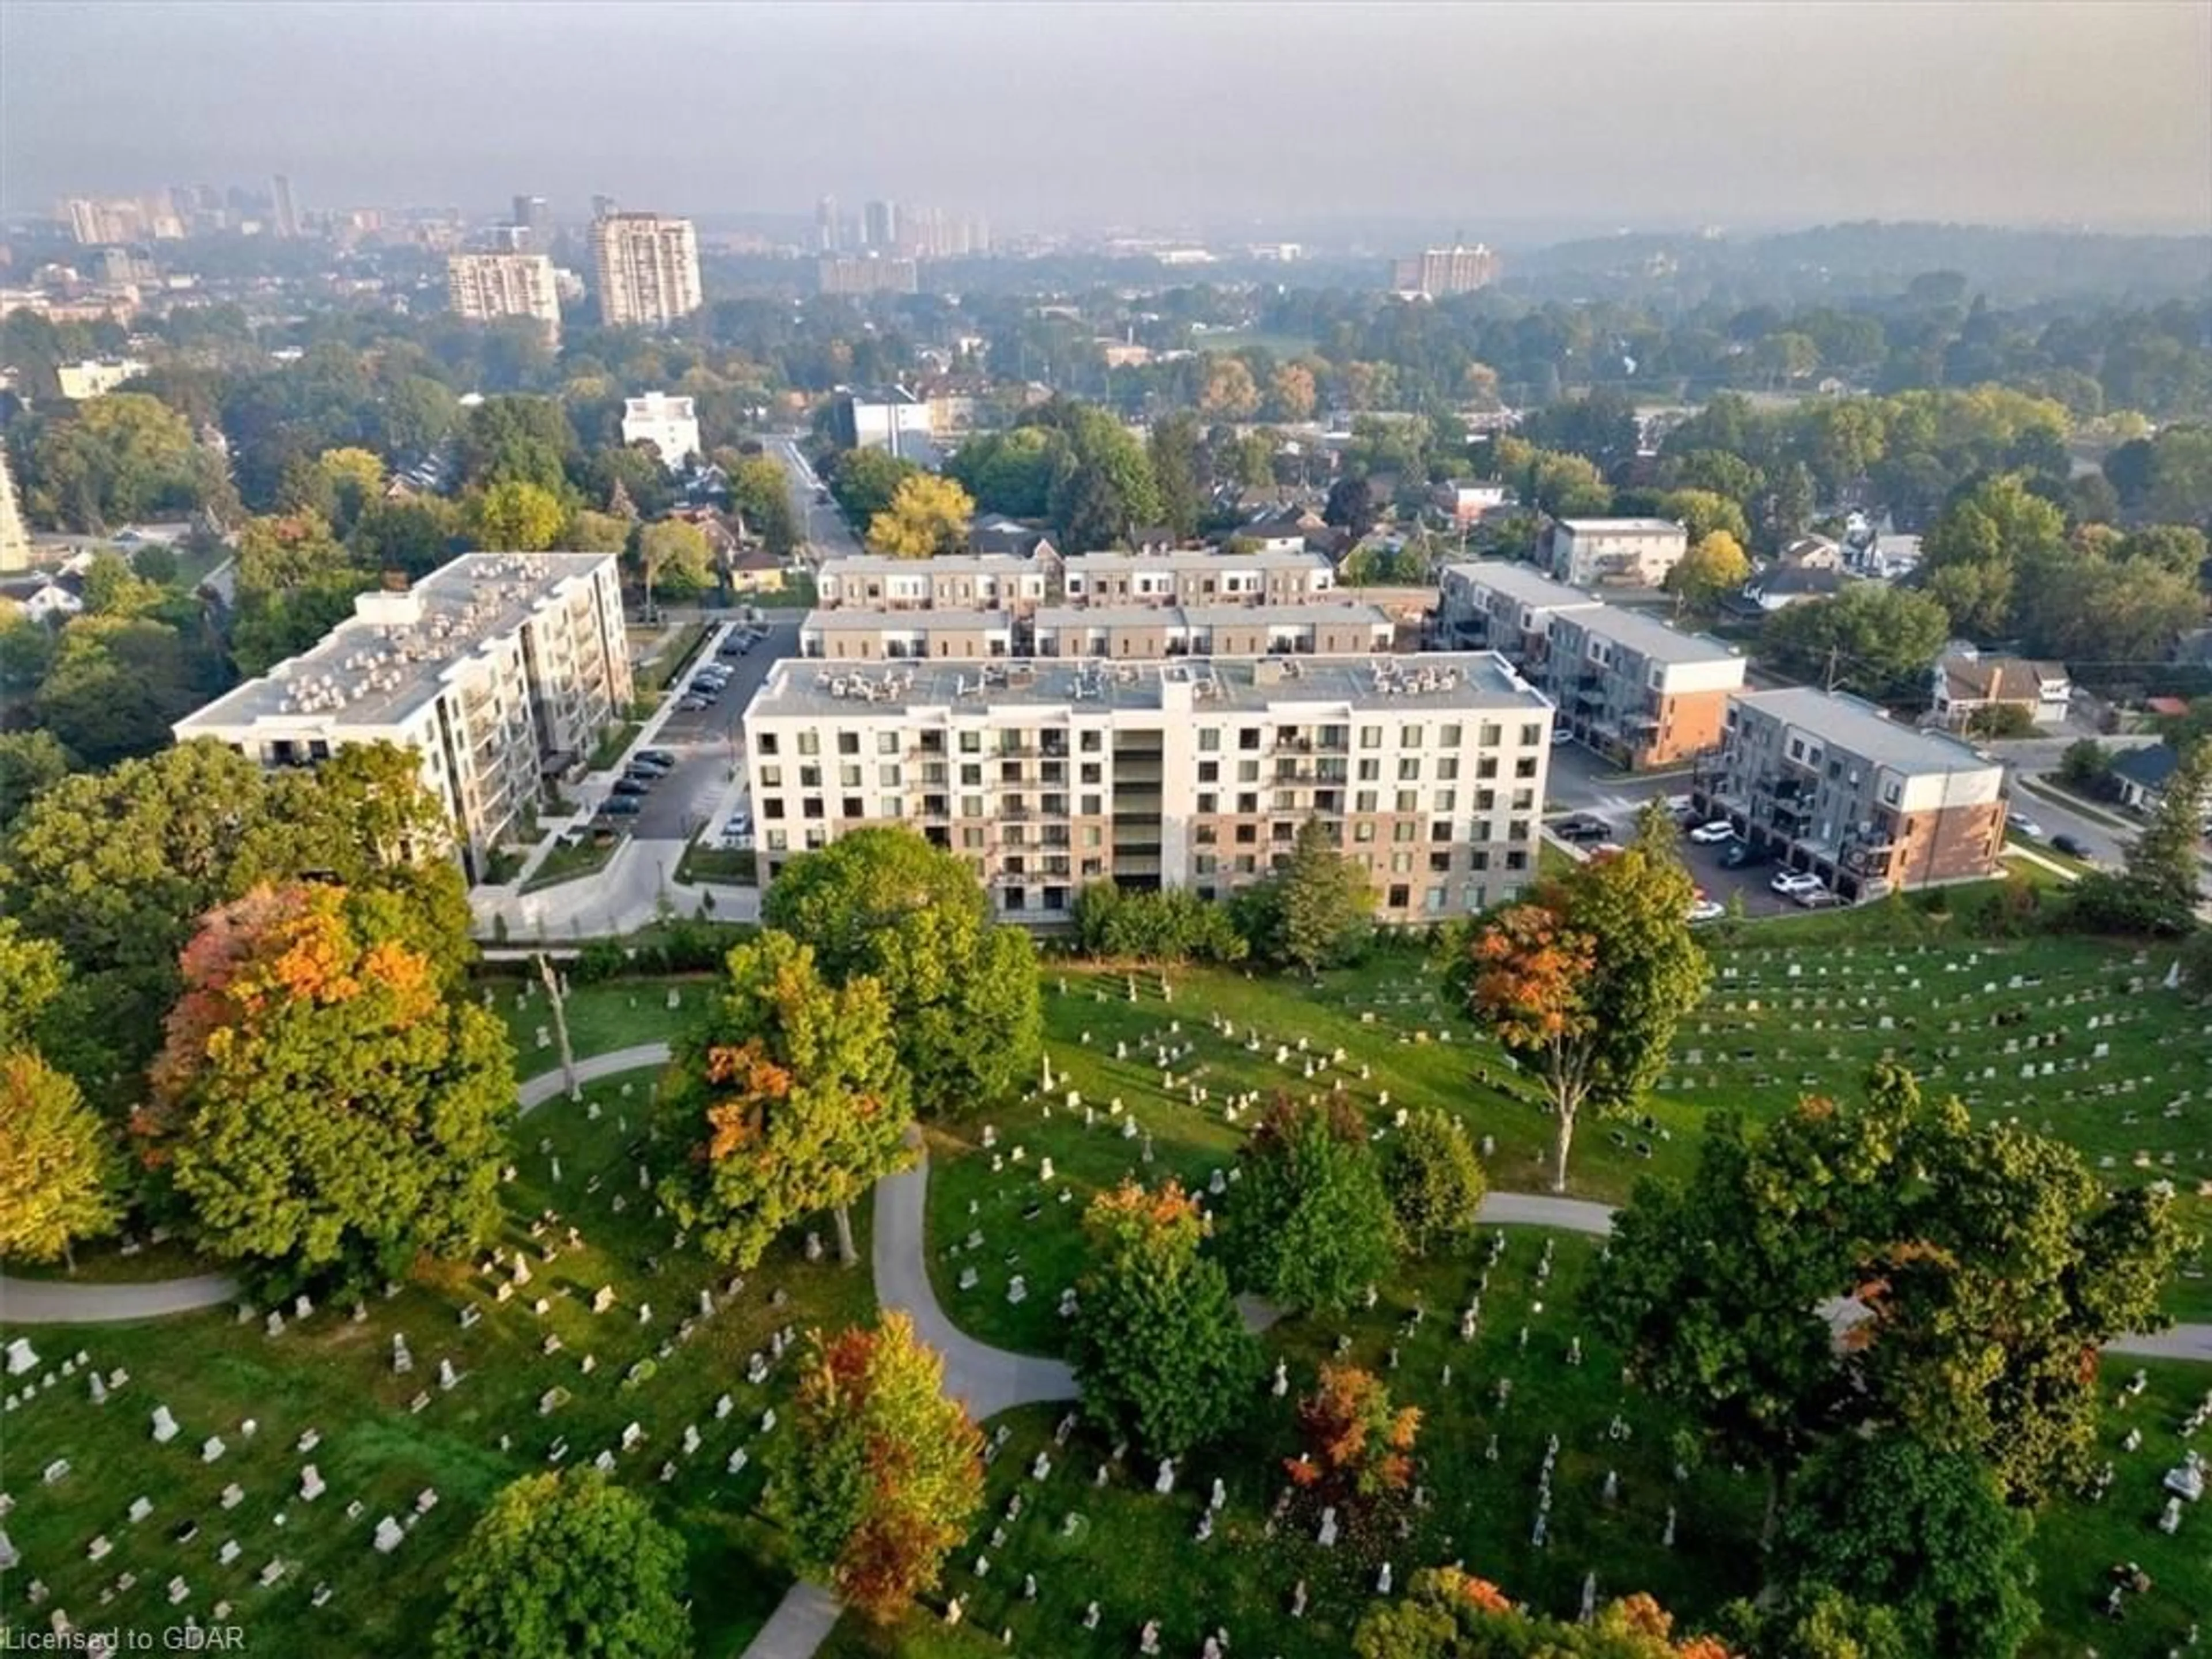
(1388, 1015)
(1136, 1554)
(336, 1376)
(602, 1017)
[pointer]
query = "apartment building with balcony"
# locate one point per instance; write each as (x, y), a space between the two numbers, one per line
(1613, 552)
(1637, 691)
(646, 268)
(485, 286)
(1046, 776)
(967, 582)
(500, 671)
(1148, 632)
(1832, 785)
(1197, 578)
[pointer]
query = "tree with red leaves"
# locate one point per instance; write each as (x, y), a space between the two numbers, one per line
(881, 1474)
(1360, 1447)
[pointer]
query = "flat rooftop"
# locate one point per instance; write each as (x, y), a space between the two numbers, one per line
(955, 564)
(1523, 582)
(1439, 681)
(1654, 638)
(1206, 616)
(1855, 726)
(1623, 526)
(857, 619)
(1091, 564)
(387, 660)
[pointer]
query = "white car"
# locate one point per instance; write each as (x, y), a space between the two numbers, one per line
(1707, 910)
(1791, 882)
(2027, 827)
(1706, 834)
(1561, 737)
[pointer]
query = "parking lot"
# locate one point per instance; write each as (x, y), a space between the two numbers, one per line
(1715, 880)
(708, 743)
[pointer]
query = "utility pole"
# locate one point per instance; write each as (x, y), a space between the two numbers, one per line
(1829, 684)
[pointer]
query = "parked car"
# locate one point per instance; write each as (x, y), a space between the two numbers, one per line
(2027, 827)
(658, 757)
(1707, 910)
(627, 785)
(1789, 882)
(644, 767)
(1581, 827)
(1561, 737)
(1742, 855)
(620, 806)
(1712, 834)
(2072, 848)
(1816, 898)
(691, 705)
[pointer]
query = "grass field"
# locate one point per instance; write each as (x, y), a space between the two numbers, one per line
(335, 1376)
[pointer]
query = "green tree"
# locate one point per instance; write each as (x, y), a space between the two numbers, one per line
(111, 588)
(2088, 609)
(26, 652)
(413, 537)
(118, 683)
(1434, 1182)
(927, 516)
(33, 972)
(675, 558)
(884, 903)
(563, 1565)
(1986, 542)
(880, 1475)
(295, 583)
(513, 515)
(762, 497)
(29, 762)
(1226, 389)
(1871, 638)
(590, 532)
(1310, 1224)
(1924, 1533)
(57, 1168)
(864, 481)
(323, 1108)
(790, 1100)
(517, 440)
(1715, 566)
(1446, 1614)
(117, 458)
(1158, 1344)
(2166, 860)
(1703, 512)
(1173, 451)
(1585, 983)
(338, 485)
(1316, 911)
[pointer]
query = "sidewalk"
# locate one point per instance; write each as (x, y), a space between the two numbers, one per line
(626, 895)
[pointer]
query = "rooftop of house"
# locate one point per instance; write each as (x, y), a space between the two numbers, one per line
(1622, 526)
(1650, 637)
(953, 564)
(1193, 559)
(1858, 727)
(1523, 582)
(2148, 766)
(855, 620)
(1437, 682)
(1999, 679)
(1206, 616)
(383, 663)
(1805, 581)
(658, 405)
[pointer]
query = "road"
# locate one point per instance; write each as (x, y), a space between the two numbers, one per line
(827, 536)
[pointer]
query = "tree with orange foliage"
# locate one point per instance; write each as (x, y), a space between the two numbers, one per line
(324, 1110)
(1584, 984)
(881, 1474)
(1446, 1614)
(1360, 1447)
(789, 1100)
(1162, 1353)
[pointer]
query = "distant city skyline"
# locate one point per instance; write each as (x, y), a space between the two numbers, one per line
(1658, 115)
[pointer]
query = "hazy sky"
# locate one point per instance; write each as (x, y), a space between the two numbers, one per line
(1654, 114)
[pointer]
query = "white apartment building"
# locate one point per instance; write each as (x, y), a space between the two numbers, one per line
(670, 424)
(482, 287)
(647, 269)
(95, 377)
(499, 670)
(961, 581)
(1615, 552)
(1199, 577)
(1195, 772)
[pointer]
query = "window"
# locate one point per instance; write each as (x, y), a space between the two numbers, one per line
(1248, 801)
(1247, 835)
(772, 806)
(849, 742)
(1517, 860)
(852, 807)
(1209, 771)
(1209, 740)
(1447, 768)
(887, 777)
(1409, 737)
(1525, 767)
(1444, 800)
(809, 743)
(1404, 831)
(1204, 835)
(971, 743)
(1209, 803)
(1248, 736)
(1088, 742)
(1247, 771)
(1479, 859)
(1363, 832)
(1091, 834)
(1490, 735)
(1448, 737)
(1401, 864)
(971, 773)
(768, 743)
(1364, 801)
(849, 776)
(771, 777)
(1408, 800)
(887, 743)
(1531, 736)
(1486, 767)
(1440, 864)
(889, 806)
(810, 777)
(1371, 737)
(1409, 768)
(1093, 807)
(1093, 773)
(1440, 829)
(1370, 771)
(971, 806)
(778, 841)
(1401, 896)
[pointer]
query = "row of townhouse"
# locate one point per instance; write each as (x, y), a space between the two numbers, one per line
(1831, 784)
(1195, 774)
(1637, 691)
(1123, 632)
(1005, 581)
